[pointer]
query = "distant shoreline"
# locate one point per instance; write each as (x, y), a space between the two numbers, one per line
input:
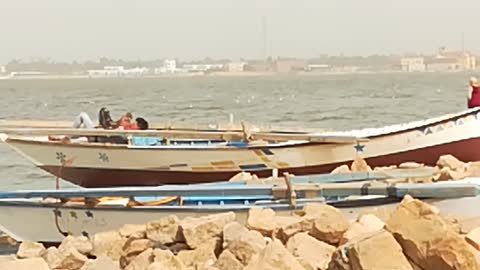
(228, 74)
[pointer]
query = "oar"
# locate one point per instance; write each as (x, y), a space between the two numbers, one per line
(222, 135)
(363, 176)
(302, 191)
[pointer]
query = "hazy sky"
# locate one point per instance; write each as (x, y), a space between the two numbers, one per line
(194, 29)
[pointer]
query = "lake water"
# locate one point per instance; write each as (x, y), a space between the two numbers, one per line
(323, 101)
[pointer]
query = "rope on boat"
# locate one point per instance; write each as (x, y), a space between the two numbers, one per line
(57, 225)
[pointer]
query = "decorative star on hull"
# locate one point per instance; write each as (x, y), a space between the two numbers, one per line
(359, 147)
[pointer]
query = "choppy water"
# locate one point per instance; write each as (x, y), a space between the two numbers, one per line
(333, 101)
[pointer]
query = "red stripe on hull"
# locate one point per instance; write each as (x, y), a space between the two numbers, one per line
(466, 150)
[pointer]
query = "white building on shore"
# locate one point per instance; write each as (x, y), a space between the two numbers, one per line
(413, 64)
(117, 71)
(169, 67)
(202, 67)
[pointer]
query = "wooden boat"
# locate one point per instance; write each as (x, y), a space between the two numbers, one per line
(183, 156)
(57, 213)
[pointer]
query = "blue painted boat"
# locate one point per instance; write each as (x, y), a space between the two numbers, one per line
(57, 213)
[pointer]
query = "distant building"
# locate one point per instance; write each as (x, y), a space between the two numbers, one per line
(413, 64)
(3, 69)
(235, 67)
(442, 64)
(289, 65)
(169, 66)
(259, 66)
(117, 71)
(451, 61)
(25, 74)
(202, 67)
(318, 67)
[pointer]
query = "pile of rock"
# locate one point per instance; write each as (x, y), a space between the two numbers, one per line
(447, 167)
(412, 236)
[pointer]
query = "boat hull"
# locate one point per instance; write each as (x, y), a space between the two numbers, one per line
(53, 223)
(104, 165)
(466, 150)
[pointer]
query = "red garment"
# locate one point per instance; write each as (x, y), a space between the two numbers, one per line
(128, 126)
(474, 101)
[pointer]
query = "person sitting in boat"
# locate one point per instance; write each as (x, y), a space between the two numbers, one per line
(473, 93)
(106, 122)
(141, 123)
(125, 122)
(104, 119)
(83, 120)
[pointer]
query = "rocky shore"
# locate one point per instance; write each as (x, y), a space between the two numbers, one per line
(412, 236)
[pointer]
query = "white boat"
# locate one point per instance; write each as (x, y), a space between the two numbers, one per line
(210, 156)
(24, 215)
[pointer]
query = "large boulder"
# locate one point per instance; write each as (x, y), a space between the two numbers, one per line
(228, 261)
(311, 253)
(360, 165)
(343, 169)
(132, 248)
(232, 231)
(81, 243)
(446, 174)
(365, 224)
(196, 231)
(165, 260)
(364, 254)
(135, 230)
(261, 219)
(53, 257)
(204, 255)
(329, 225)
(164, 230)
(410, 165)
(312, 212)
(109, 244)
(451, 162)
(245, 250)
(384, 213)
(275, 257)
(142, 261)
(30, 249)
(25, 264)
(101, 263)
(71, 259)
(427, 239)
(241, 242)
(293, 226)
(65, 257)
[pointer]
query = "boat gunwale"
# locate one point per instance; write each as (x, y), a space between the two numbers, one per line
(284, 205)
(402, 128)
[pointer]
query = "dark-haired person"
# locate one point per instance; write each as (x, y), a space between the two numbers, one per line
(142, 124)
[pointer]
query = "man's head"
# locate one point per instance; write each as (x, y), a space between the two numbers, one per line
(473, 81)
(141, 123)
